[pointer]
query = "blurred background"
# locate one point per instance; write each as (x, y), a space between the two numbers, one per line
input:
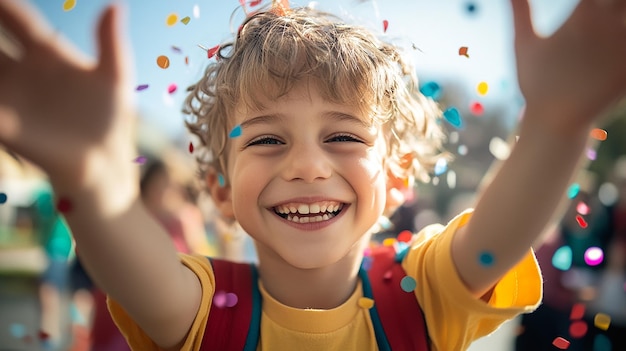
(463, 54)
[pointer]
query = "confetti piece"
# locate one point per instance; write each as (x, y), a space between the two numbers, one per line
(582, 208)
(190, 147)
(562, 258)
(187, 60)
(408, 284)
(219, 299)
(212, 51)
(389, 241)
(602, 321)
(451, 179)
(42, 335)
(499, 148)
(578, 311)
(486, 258)
(140, 159)
(573, 190)
(405, 236)
(235, 132)
(255, 3)
(367, 263)
(594, 256)
(196, 11)
(384, 222)
(561, 343)
(220, 180)
(185, 20)
(171, 19)
(431, 90)
(482, 88)
(3, 198)
(366, 303)
(463, 51)
(578, 329)
(176, 49)
(163, 61)
(142, 87)
(602, 343)
(441, 166)
(471, 8)
(453, 116)
(477, 109)
(385, 26)
(68, 5)
(17, 330)
(172, 88)
(591, 154)
(64, 205)
(462, 150)
(231, 299)
(598, 134)
(581, 221)
(388, 274)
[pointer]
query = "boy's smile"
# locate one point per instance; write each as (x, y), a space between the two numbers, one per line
(307, 179)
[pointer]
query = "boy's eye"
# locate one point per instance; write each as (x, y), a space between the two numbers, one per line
(264, 140)
(344, 138)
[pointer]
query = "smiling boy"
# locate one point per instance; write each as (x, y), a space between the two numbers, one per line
(333, 128)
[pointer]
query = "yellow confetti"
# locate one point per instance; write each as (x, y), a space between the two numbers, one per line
(482, 88)
(602, 321)
(389, 242)
(68, 5)
(171, 19)
(366, 303)
(185, 20)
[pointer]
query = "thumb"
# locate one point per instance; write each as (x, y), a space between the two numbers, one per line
(110, 44)
(522, 20)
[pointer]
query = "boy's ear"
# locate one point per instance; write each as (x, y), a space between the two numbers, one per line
(220, 193)
(399, 191)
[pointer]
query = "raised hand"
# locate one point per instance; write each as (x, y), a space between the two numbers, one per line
(578, 71)
(65, 112)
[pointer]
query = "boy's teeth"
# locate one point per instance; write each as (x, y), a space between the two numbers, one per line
(297, 219)
(299, 209)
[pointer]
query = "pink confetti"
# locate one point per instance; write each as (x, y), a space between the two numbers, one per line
(561, 343)
(477, 109)
(385, 25)
(582, 208)
(172, 88)
(190, 147)
(255, 3)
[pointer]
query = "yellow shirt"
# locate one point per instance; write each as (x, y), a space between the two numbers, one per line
(454, 317)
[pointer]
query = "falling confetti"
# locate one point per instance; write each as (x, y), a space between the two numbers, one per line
(431, 90)
(499, 148)
(367, 263)
(212, 51)
(598, 134)
(408, 284)
(254, 3)
(64, 205)
(462, 150)
(573, 190)
(453, 116)
(17, 330)
(366, 303)
(482, 88)
(223, 299)
(578, 311)
(68, 5)
(196, 11)
(582, 208)
(602, 321)
(581, 221)
(594, 256)
(176, 49)
(140, 159)
(463, 51)
(405, 236)
(171, 19)
(220, 180)
(389, 241)
(163, 61)
(591, 154)
(172, 88)
(561, 343)
(186, 60)
(471, 8)
(142, 87)
(185, 20)
(602, 343)
(486, 259)
(235, 132)
(578, 329)
(385, 25)
(3, 198)
(441, 166)
(562, 258)
(43, 335)
(477, 109)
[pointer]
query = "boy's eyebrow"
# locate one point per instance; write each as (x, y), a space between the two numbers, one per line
(341, 116)
(263, 119)
(278, 118)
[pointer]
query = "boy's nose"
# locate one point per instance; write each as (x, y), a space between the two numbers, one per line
(307, 163)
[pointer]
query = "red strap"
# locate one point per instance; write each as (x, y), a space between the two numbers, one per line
(399, 311)
(227, 327)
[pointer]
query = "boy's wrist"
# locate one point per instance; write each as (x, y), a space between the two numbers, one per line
(556, 124)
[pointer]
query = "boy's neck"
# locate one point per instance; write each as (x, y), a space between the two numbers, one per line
(320, 288)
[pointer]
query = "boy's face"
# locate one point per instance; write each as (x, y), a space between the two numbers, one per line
(306, 154)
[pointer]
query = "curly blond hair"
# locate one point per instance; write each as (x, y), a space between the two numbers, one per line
(274, 50)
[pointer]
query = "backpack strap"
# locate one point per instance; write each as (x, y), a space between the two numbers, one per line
(397, 318)
(234, 328)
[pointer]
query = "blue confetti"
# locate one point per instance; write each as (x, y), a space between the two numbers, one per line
(220, 180)
(573, 190)
(441, 166)
(367, 263)
(486, 258)
(3, 198)
(235, 132)
(408, 284)
(431, 90)
(453, 116)
(602, 343)
(17, 330)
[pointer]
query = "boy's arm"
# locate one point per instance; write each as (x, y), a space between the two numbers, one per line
(73, 117)
(568, 80)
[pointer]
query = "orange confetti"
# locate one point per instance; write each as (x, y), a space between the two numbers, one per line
(280, 7)
(598, 134)
(463, 51)
(163, 61)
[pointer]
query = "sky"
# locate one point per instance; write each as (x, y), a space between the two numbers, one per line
(431, 30)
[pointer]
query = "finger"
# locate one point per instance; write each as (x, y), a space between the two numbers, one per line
(22, 21)
(110, 44)
(522, 20)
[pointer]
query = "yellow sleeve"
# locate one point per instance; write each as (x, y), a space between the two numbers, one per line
(453, 315)
(138, 340)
